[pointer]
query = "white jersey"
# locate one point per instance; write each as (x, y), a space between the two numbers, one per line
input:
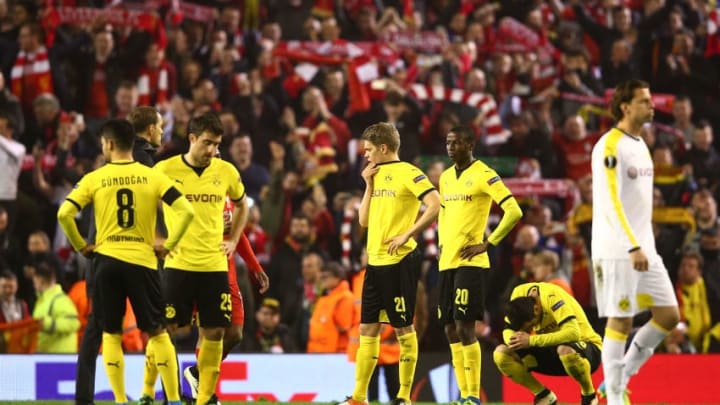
(622, 170)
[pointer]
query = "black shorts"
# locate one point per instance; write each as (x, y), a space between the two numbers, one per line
(115, 281)
(208, 291)
(547, 361)
(462, 294)
(388, 294)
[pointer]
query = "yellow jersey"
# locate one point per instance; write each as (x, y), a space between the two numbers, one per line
(559, 310)
(206, 189)
(399, 188)
(466, 197)
(125, 195)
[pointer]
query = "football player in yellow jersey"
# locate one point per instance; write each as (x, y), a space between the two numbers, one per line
(389, 209)
(125, 195)
(546, 331)
(196, 275)
(468, 189)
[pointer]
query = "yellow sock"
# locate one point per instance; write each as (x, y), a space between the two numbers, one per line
(408, 361)
(114, 365)
(517, 371)
(472, 369)
(367, 357)
(166, 364)
(150, 372)
(578, 368)
(458, 363)
(208, 365)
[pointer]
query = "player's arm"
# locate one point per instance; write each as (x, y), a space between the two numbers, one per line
(184, 213)
(568, 327)
(508, 332)
(245, 251)
(511, 216)
(368, 174)
(240, 214)
(74, 203)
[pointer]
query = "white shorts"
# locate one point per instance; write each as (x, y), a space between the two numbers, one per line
(621, 291)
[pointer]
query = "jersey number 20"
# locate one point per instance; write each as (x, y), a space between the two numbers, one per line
(125, 213)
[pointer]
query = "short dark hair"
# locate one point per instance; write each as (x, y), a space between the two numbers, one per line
(127, 84)
(336, 269)
(393, 97)
(8, 274)
(624, 93)
(207, 122)
(299, 215)
(142, 118)
(695, 255)
(121, 132)
(520, 311)
(464, 133)
(44, 266)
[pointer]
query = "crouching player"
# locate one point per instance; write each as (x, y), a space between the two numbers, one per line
(563, 342)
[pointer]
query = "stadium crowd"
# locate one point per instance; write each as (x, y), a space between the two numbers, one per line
(295, 82)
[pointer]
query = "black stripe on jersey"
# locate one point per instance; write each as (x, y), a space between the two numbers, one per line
(422, 195)
(566, 319)
(74, 203)
(239, 199)
(509, 196)
(635, 138)
(171, 195)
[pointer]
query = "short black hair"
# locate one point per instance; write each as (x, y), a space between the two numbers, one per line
(142, 118)
(336, 269)
(207, 122)
(44, 266)
(464, 133)
(121, 132)
(8, 274)
(520, 311)
(624, 93)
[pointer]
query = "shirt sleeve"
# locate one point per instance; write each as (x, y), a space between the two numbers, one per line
(236, 191)
(493, 185)
(418, 183)
(568, 330)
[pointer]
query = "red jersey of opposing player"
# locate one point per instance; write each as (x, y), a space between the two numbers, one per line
(245, 251)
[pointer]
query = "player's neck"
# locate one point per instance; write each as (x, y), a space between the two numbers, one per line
(189, 159)
(629, 128)
(121, 156)
(390, 158)
(464, 163)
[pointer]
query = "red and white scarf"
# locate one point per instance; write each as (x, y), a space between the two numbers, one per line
(30, 76)
(153, 81)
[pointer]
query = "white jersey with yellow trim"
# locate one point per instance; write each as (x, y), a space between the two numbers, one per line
(622, 170)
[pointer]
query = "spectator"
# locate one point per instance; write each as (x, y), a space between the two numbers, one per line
(256, 178)
(99, 73)
(55, 311)
(157, 81)
(12, 153)
(32, 73)
(544, 267)
(126, 99)
(271, 335)
(682, 113)
(693, 299)
(332, 315)
(702, 156)
(10, 107)
(12, 308)
(573, 148)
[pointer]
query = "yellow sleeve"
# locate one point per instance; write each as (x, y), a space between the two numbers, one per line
(568, 326)
(610, 160)
(236, 191)
(179, 204)
(507, 330)
(417, 182)
(79, 197)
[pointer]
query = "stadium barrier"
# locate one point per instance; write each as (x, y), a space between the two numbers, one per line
(668, 379)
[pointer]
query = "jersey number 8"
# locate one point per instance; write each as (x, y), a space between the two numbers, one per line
(125, 213)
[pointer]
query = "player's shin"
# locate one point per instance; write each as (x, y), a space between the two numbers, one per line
(471, 354)
(458, 363)
(408, 362)
(642, 347)
(578, 368)
(115, 365)
(150, 372)
(367, 357)
(516, 370)
(613, 364)
(209, 360)
(165, 361)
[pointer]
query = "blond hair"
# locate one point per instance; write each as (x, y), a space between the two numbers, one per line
(383, 133)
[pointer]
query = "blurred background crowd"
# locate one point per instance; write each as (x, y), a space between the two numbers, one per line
(295, 82)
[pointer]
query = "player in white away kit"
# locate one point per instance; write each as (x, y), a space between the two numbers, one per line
(629, 274)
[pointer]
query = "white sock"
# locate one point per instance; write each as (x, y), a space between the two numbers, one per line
(647, 338)
(612, 361)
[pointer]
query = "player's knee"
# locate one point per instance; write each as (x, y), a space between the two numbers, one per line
(501, 348)
(213, 333)
(503, 358)
(563, 350)
(451, 333)
(466, 332)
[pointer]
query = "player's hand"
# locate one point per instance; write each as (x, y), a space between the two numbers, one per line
(88, 251)
(369, 172)
(395, 243)
(263, 281)
(161, 251)
(470, 251)
(228, 247)
(520, 340)
(639, 260)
